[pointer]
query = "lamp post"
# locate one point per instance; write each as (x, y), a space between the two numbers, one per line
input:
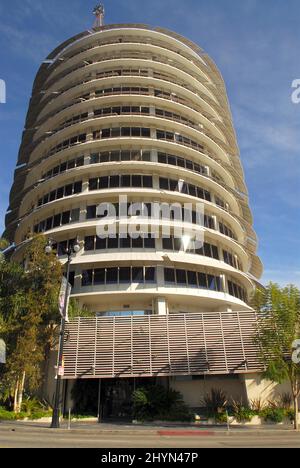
(70, 251)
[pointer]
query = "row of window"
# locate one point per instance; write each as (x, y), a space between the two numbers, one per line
(173, 116)
(116, 181)
(135, 180)
(93, 243)
(237, 291)
(118, 132)
(121, 275)
(172, 276)
(123, 72)
(68, 143)
(171, 136)
(118, 110)
(127, 155)
(123, 90)
(165, 158)
(175, 244)
(182, 187)
(63, 167)
(224, 229)
(61, 219)
(232, 260)
(141, 91)
(140, 132)
(192, 279)
(116, 156)
(72, 121)
(61, 192)
(148, 210)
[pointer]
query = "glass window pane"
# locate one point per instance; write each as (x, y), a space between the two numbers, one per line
(101, 243)
(150, 275)
(192, 278)
(124, 275)
(137, 275)
(202, 280)
(87, 277)
(99, 276)
(125, 242)
(112, 243)
(65, 219)
(91, 212)
(169, 275)
(181, 276)
(89, 243)
(112, 275)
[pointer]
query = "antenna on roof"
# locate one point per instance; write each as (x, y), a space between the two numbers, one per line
(99, 13)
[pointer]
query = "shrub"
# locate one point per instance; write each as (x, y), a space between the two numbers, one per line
(273, 414)
(257, 405)
(157, 402)
(242, 413)
(40, 414)
(215, 402)
(6, 415)
(286, 401)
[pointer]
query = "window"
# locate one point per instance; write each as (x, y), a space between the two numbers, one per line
(150, 275)
(125, 275)
(137, 275)
(99, 276)
(91, 212)
(192, 278)
(169, 275)
(89, 243)
(87, 277)
(111, 275)
(180, 276)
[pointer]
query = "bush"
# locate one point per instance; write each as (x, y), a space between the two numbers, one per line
(273, 414)
(157, 402)
(6, 415)
(215, 403)
(39, 415)
(242, 413)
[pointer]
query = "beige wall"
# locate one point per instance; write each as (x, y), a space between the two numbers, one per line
(257, 387)
(194, 390)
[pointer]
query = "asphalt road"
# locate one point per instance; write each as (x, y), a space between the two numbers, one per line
(22, 435)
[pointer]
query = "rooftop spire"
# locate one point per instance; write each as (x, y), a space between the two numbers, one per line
(99, 14)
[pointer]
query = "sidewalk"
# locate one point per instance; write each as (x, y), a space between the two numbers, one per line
(144, 429)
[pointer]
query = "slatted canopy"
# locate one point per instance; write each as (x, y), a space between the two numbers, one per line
(153, 345)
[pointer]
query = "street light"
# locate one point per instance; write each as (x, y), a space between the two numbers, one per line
(72, 249)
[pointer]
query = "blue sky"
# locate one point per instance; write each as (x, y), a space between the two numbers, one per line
(255, 43)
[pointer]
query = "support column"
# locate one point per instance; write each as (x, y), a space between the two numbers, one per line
(161, 306)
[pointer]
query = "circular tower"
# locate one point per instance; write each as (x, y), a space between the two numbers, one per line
(138, 114)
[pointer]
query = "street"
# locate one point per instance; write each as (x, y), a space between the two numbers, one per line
(37, 435)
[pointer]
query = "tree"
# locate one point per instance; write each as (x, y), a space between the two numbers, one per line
(278, 327)
(3, 244)
(29, 309)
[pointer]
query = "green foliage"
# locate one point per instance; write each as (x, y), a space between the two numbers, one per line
(29, 315)
(215, 402)
(76, 311)
(257, 405)
(241, 412)
(278, 310)
(286, 401)
(275, 415)
(6, 415)
(158, 403)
